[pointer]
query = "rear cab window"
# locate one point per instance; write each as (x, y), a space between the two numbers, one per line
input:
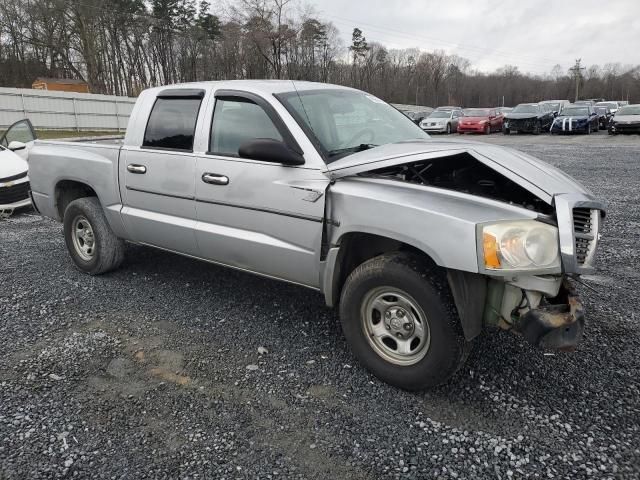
(172, 121)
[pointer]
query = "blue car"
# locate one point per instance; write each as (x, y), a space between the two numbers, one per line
(576, 118)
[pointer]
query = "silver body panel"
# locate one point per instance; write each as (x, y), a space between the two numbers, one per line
(270, 219)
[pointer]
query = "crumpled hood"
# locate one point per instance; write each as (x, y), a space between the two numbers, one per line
(627, 118)
(11, 164)
(520, 116)
(538, 177)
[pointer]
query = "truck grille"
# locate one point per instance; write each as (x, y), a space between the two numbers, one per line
(14, 193)
(585, 226)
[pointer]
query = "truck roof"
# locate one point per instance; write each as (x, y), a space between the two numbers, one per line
(264, 87)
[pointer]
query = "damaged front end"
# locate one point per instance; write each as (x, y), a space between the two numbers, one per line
(549, 322)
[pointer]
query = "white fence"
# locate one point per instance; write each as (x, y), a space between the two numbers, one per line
(64, 110)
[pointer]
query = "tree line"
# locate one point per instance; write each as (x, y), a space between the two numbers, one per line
(123, 46)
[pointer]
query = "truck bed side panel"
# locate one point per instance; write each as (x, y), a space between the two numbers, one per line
(95, 165)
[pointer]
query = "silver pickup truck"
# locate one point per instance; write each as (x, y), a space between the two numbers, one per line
(421, 243)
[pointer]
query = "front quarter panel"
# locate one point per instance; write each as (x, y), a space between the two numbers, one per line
(441, 223)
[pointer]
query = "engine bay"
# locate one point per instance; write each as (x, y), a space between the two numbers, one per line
(464, 173)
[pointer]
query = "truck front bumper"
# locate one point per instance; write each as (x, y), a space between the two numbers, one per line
(556, 325)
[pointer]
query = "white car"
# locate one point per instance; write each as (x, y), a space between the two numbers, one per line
(14, 179)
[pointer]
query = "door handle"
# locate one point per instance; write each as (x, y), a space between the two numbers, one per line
(215, 179)
(133, 168)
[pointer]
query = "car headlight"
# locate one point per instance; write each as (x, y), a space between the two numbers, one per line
(520, 245)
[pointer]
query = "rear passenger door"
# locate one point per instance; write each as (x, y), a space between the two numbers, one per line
(157, 178)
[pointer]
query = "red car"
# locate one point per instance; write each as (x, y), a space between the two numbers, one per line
(481, 120)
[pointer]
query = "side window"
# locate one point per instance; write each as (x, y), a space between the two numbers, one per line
(236, 121)
(172, 123)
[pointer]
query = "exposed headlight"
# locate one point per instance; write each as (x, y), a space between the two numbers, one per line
(520, 245)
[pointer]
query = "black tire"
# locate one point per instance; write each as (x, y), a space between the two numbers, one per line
(448, 128)
(427, 286)
(107, 252)
(588, 131)
(487, 129)
(506, 131)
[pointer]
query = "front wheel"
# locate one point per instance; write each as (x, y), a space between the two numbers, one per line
(506, 131)
(487, 129)
(448, 128)
(91, 243)
(588, 132)
(398, 315)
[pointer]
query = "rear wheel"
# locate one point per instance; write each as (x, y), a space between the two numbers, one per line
(398, 315)
(91, 243)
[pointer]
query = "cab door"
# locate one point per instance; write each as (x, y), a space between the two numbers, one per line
(17, 136)
(260, 216)
(157, 178)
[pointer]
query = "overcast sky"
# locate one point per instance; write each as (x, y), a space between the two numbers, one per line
(535, 35)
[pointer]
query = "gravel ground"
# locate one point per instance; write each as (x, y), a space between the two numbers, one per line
(174, 368)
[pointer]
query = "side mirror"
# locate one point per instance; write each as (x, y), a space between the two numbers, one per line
(270, 150)
(15, 146)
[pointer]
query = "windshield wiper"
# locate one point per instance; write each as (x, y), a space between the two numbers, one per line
(354, 149)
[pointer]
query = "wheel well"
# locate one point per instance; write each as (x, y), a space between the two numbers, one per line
(69, 190)
(356, 248)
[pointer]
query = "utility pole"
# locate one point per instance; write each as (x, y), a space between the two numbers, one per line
(577, 75)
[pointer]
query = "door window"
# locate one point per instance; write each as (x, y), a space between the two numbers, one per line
(21, 131)
(236, 121)
(172, 123)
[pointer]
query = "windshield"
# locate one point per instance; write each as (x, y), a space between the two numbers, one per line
(607, 104)
(525, 109)
(554, 106)
(575, 111)
(347, 121)
(476, 112)
(602, 110)
(440, 114)
(630, 110)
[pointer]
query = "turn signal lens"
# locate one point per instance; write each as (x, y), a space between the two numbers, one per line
(490, 247)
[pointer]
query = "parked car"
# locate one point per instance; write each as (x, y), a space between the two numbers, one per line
(14, 178)
(604, 116)
(417, 116)
(611, 105)
(576, 119)
(441, 121)
(626, 120)
(528, 118)
(556, 106)
(449, 107)
(422, 243)
(480, 120)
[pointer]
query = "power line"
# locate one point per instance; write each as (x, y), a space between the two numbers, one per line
(391, 32)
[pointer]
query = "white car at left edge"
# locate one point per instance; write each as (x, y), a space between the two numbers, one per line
(14, 170)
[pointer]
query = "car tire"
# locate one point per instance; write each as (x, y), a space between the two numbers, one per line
(400, 282)
(506, 131)
(487, 129)
(448, 128)
(93, 246)
(588, 131)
